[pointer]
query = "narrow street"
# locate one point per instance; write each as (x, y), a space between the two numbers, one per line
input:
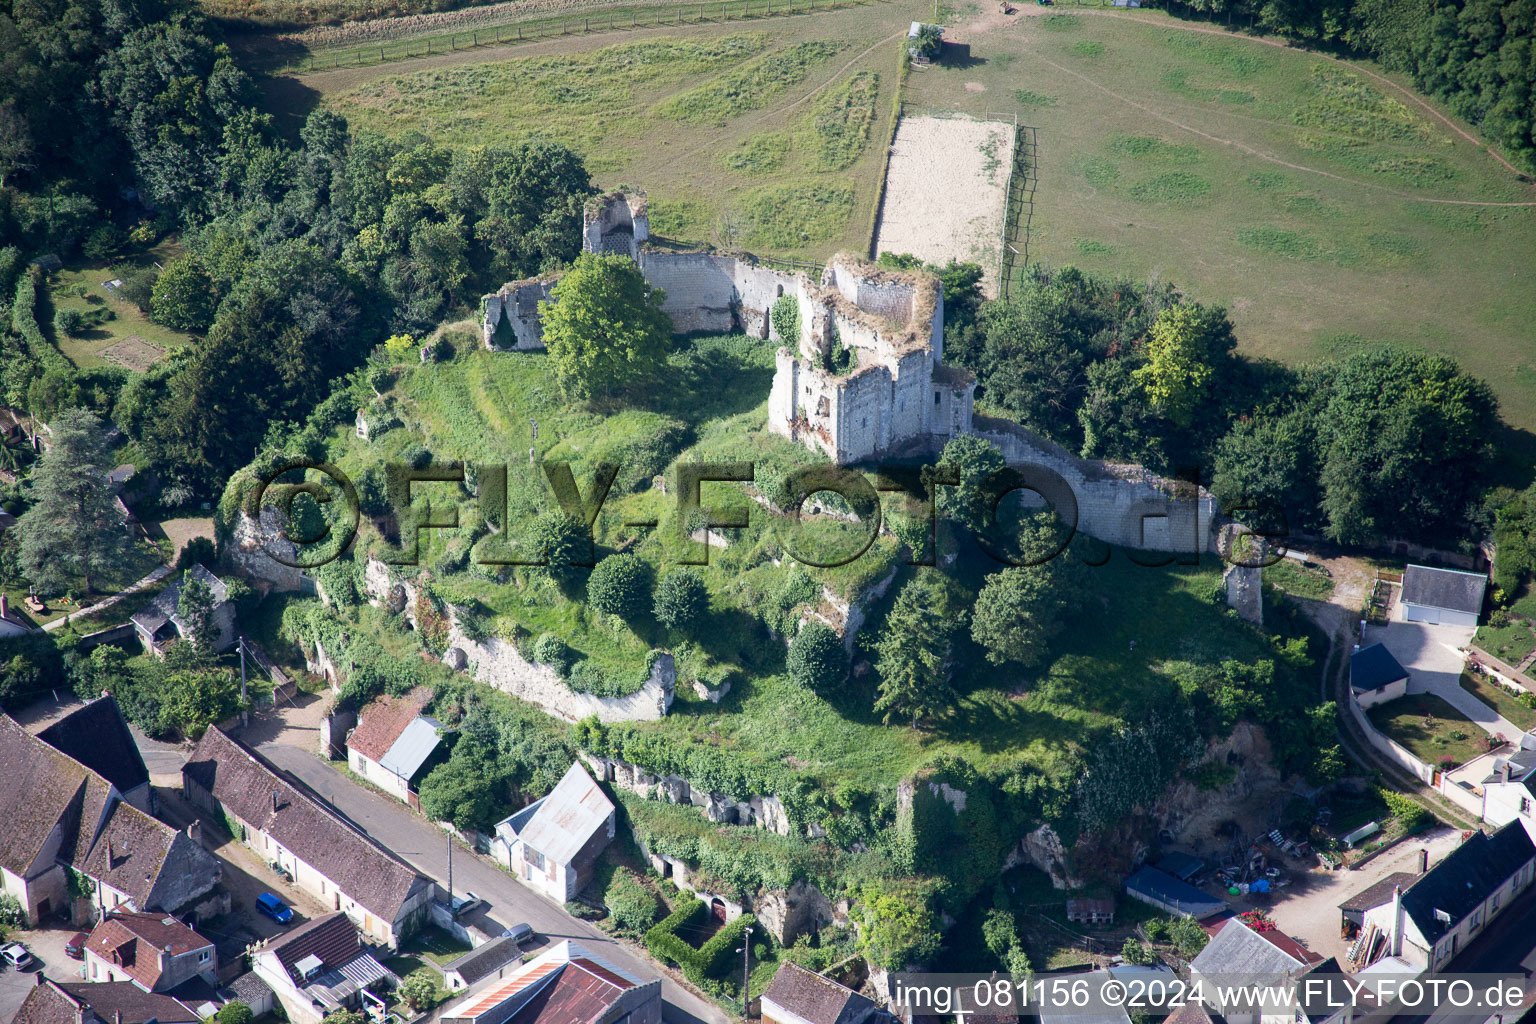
(426, 848)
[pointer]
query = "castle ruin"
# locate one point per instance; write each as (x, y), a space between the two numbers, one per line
(866, 377)
(895, 394)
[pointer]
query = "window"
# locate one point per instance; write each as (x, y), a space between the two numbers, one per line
(935, 398)
(202, 957)
(1525, 805)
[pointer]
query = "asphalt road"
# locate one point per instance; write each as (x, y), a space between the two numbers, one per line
(426, 848)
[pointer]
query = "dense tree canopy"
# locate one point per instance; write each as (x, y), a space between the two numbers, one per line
(75, 529)
(604, 326)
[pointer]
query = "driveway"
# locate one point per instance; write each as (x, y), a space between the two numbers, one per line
(47, 946)
(1309, 909)
(1433, 657)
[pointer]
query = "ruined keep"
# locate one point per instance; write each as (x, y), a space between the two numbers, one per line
(866, 376)
(895, 395)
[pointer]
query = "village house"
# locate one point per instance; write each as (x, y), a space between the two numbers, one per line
(1375, 676)
(800, 996)
(320, 967)
(551, 844)
(115, 1002)
(1238, 955)
(154, 951)
(395, 746)
(161, 622)
(1429, 922)
(1086, 910)
(567, 983)
(1446, 597)
(1509, 792)
(11, 624)
(297, 834)
(490, 961)
(68, 824)
(96, 735)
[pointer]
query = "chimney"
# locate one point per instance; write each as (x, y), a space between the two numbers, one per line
(5, 608)
(40, 978)
(1423, 859)
(1395, 940)
(195, 830)
(110, 858)
(117, 1017)
(274, 801)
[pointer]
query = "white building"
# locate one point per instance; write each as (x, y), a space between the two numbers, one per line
(1433, 919)
(1509, 793)
(394, 746)
(1446, 597)
(320, 967)
(551, 844)
(1237, 956)
(1375, 676)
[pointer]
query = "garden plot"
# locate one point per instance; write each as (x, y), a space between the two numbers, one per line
(946, 191)
(135, 353)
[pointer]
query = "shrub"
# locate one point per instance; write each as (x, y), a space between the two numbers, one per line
(816, 659)
(620, 585)
(234, 1012)
(102, 244)
(785, 316)
(632, 905)
(138, 287)
(550, 650)
(1187, 936)
(682, 600)
(710, 960)
(69, 322)
(11, 913)
(419, 989)
(1135, 953)
(1408, 812)
(397, 345)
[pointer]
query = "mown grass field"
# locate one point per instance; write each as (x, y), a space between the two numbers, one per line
(1282, 184)
(79, 286)
(767, 135)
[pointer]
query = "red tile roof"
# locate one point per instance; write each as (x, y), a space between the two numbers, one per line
(576, 997)
(134, 941)
(382, 722)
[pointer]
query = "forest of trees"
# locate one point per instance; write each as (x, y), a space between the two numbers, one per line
(123, 122)
(1478, 56)
(1383, 443)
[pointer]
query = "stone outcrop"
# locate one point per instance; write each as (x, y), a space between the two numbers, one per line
(499, 664)
(250, 542)
(764, 811)
(787, 914)
(1044, 849)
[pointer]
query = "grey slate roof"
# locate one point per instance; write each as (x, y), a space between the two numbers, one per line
(486, 960)
(1371, 668)
(256, 793)
(572, 812)
(109, 998)
(416, 743)
(819, 1000)
(1379, 893)
(97, 736)
(1460, 883)
(1239, 951)
(1444, 588)
(163, 608)
(1522, 769)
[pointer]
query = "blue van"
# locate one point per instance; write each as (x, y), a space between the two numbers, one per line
(274, 908)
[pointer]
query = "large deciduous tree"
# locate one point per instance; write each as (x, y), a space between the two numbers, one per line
(75, 528)
(604, 327)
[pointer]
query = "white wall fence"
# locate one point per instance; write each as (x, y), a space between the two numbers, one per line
(1436, 780)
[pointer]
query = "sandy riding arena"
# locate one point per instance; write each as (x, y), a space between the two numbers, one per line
(946, 191)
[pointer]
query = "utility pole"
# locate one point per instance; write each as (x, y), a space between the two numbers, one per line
(450, 874)
(241, 645)
(746, 972)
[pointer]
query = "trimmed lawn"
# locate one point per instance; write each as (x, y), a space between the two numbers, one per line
(79, 286)
(1291, 188)
(436, 945)
(1511, 644)
(767, 135)
(1430, 728)
(1501, 700)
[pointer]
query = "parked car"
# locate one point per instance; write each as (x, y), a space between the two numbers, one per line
(274, 908)
(15, 954)
(519, 933)
(464, 904)
(75, 947)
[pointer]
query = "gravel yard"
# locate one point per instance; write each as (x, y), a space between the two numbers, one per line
(946, 191)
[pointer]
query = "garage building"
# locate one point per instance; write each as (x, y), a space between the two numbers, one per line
(1446, 597)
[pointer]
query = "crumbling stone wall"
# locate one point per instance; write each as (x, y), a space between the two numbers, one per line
(517, 306)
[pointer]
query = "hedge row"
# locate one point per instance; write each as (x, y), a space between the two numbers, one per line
(24, 320)
(710, 960)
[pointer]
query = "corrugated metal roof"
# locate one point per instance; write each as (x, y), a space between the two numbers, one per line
(408, 753)
(572, 812)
